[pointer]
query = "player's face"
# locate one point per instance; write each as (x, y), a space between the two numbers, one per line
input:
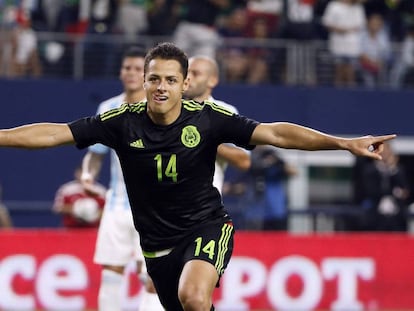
(132, 73)
(164, 85)
(199, 75)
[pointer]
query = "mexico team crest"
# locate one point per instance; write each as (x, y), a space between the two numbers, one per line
(190, 137)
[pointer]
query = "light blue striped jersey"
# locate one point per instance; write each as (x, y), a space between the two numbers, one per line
(117, 195)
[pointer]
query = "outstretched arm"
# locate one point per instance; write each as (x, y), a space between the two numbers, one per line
(236, 156)
(36, 136)
(293, 136)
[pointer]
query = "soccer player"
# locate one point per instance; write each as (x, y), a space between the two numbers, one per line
(118, 241)
(167, 148)
(203, 74)
(80, 208)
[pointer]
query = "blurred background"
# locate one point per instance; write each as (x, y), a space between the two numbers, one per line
(279, 60)
(347, 71)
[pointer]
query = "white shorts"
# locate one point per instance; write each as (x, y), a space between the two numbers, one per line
(118, 241)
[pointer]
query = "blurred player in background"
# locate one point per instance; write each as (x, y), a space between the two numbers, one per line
(80, 208)
(118, 241)
(203, 74)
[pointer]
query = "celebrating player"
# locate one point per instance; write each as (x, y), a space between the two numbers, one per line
(167, 149)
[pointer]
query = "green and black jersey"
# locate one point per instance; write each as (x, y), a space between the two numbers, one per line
(168, 170)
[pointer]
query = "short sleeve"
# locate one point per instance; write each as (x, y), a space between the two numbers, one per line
(91, 130)
(233, 128)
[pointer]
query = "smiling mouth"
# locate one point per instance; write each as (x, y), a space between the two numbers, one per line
(160, 98)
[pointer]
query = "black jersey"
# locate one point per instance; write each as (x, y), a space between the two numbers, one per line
(168, 170)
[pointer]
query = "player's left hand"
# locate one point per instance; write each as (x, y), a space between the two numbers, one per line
(369, 146)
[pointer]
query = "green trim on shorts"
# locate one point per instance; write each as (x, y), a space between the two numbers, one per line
(157, 254)
(226, 233)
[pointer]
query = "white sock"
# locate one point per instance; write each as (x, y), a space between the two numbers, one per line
(109, 298)
(150, 302)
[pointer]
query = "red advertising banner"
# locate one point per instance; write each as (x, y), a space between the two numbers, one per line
(53, 270)
(333, 272)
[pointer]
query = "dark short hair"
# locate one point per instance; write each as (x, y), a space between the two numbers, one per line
(134, 51)
(167, 51)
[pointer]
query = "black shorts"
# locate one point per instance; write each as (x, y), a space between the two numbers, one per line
(211, 243)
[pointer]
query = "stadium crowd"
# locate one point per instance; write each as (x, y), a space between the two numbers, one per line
(368, 42)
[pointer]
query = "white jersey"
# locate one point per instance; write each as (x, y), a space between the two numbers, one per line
(221, 164)
(117, 195)
(343, 15)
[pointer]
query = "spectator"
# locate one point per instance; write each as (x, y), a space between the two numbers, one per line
(392, 12)
(266, 9)
(78, 207)
(270, 173)
(7, 25)
(297, 23)
(234, 61)
(25, 57)
(245, 64)
(70, 16)
(405, 63)
(382, 191)
(44, 14)
(344, 20)
(131, 17)
(406, 14)
(196, 33)
(375, 52)
(163, 17)
(235, 195)
(319, 8)
(101, 57)
(259, 57)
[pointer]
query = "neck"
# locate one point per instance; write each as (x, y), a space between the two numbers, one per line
(164, 118)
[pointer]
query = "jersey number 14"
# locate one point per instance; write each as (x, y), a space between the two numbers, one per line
(170, 170)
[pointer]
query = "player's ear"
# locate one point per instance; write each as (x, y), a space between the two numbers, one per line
(213, 81)
(186, 84)
(145, 81)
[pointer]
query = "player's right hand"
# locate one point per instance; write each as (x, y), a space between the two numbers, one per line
(88, 183)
